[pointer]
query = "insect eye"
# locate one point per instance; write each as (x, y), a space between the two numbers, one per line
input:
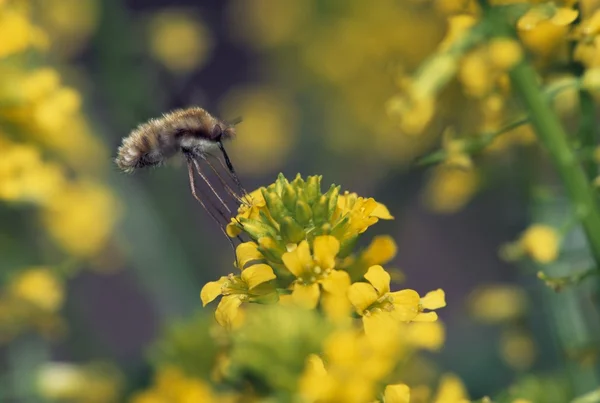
(217, 132)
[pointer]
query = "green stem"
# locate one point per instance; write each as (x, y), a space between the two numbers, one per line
(473, 145)
(587, 133)
(554, 138)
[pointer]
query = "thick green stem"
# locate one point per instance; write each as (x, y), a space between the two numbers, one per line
(587, 133)
(554, 138)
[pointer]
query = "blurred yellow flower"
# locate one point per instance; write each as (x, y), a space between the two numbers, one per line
(268, 23)
(543, 29)
(396, 394)
(96, 382)
(518, 349)
(267, 133)
(17, 33)
(449, 189)
(40, 287)
(426, 335)
(69, 34)
(497, 303)
(173, 386)
(81, 217)
(451, 390)
(25, 177)
(179, 40)
(315, 271)
(541, 243)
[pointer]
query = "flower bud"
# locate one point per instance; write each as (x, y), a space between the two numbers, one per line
(257, 229)
(303, 212)
(320, 211)
(276, 206)
(289, 197)
(313, 188)
(291, 231)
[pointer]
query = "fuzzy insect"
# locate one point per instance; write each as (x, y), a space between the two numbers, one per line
(193, 133)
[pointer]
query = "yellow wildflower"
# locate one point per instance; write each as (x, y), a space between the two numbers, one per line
(399, 393)
(173, 386)
(451, 390)
(40, 287)
(351, 368)
(81, 217)
(179, 41)
(497, 303)
(250, 285)
(17, 33)
(449, 189)
(541, 243)
(374, 301)
(315, 271)
(544, 27)
(425, 335)
(361, 212)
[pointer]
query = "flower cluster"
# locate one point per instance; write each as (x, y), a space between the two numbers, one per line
(51, 168)
(306, 317)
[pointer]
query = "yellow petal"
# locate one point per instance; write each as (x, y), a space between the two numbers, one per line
(379, 278)
(298, 260)
(247, 252)
(406, 304)
(227, 310)
(257, 274)
(292, 262)
(434, 299)
(211, 290)
(337, 282)
(314, 364)
(381, 250)
(397, 394)
(233, 230)
(381, 211)
(326, 249)
(425, 317)
(306, 296)
(362, 295)
(564, 16)
(426, 335)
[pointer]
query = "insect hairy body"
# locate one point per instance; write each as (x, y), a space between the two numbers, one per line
(198, 136)
(191, 130)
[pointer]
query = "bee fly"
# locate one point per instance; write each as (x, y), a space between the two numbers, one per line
(197, 135)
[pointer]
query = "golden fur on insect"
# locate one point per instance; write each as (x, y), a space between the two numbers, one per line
(191, 131)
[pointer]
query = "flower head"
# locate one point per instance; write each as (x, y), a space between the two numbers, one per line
(315, 271)
(250, 285)
(375, 301)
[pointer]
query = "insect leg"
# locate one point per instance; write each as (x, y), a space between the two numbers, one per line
(214, 217)
(231, 170)
(205, 179)
(223, 182)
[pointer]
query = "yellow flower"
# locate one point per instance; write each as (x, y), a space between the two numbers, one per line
(315, 271)
(40, 287)
(173, 386)
(497, 303)
(352, 367)
(179, 41)
(267, 111)
(425, 335)
(374, 301)
(255, 202)
(451, 390)
(361, 212)
(81, 217)
(544, 27)
(449, 189)
(251, 285)
(17, 33)
(541, 243)
(399, 393)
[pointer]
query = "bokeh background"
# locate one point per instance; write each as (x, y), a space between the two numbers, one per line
(95, 263)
